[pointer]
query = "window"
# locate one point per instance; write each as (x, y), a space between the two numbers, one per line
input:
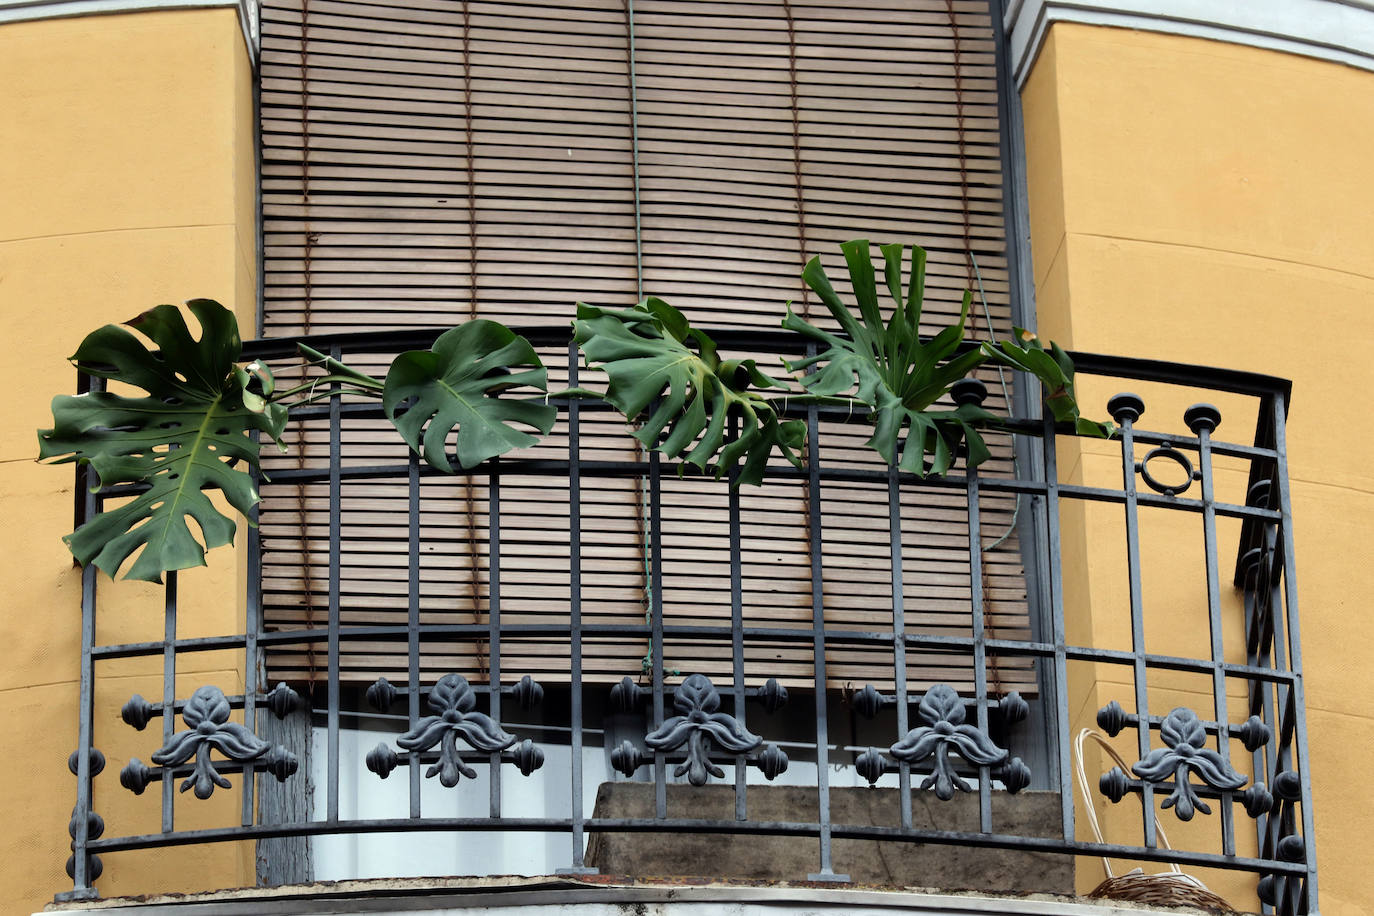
(426, 162)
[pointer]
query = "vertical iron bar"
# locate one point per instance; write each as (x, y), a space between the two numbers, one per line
(980, 655)
(1268, 693)
(1139, 669)
(413, 629)
(1209, 544)
(737, 638)
(1297, 691)
(894, 529)
(81, 881)
(252, 624)
(494, 622)
(335, 574)
(575, 613)
(656, 623)
(634, 144)
(169, 690)
(1283, 695)
(813, 481)
(1056, 592)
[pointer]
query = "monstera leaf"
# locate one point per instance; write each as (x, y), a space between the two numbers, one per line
(1054, 368)
(889, 367)
(899, 375)
(458, 383)
(650, 353)
(194, 430)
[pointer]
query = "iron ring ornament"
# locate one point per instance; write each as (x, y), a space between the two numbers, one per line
(698, 725)
(454, 704)
(206, 716)
(1166, 450)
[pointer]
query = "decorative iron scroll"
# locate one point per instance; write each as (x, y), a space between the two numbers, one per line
(945, 731)
(95, 828)
(454, 704)
(698, 725)
(206, 716)
(1185, 754)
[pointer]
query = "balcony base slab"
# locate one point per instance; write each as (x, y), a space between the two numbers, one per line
(866, 862)
(603, 896)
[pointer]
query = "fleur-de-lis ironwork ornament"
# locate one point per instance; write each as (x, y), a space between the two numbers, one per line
(207, 716)
(945, 731)
(453, 702)
(1185, 736)
(697, 724)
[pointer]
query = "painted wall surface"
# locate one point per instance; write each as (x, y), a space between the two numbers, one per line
(128, 179)
(1190, 200)
(1210, 203)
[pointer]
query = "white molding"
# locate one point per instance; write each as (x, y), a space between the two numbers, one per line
(24, 10)
(1341, 31)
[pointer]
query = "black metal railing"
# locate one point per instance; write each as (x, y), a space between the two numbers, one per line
(1246, 638)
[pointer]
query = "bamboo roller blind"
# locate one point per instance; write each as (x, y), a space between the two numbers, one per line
(429, 161)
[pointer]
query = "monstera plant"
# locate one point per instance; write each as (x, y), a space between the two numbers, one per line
(660, 367)
(668, 375)
(195, 427)
(899, 376)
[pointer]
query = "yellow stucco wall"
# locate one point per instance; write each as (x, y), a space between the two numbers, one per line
(1190, 200)
(128, 179)
(1210, 203)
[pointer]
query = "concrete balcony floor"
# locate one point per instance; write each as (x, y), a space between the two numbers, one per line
(600, 896)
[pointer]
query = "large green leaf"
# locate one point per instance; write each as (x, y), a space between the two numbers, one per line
(889, 367)
(458, 383)
(195, 430)
(1054, 368)
(650, 354)
(899, 375)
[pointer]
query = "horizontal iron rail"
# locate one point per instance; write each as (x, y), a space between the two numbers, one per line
(1228, 380)
(400, 632)
(683, 825)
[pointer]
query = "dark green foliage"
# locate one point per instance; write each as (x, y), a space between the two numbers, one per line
(669, 373)
(194, 430)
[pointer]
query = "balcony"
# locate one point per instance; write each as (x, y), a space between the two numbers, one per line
(891, 692)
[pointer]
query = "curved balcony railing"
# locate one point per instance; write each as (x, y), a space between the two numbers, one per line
(702, 705)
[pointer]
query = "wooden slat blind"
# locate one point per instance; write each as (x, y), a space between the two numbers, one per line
(428, 161)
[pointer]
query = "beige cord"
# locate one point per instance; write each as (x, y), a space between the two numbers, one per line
(1088, 798)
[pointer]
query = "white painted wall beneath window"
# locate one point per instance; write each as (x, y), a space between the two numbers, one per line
(544, 793)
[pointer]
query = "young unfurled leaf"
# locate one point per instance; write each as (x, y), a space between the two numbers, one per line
(1055, 370)
(899, 375)
(457, 383)
(650, 353)
(195, 430)
(889, 367)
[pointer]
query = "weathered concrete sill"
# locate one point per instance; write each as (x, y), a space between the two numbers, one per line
(785, 858)
(599, 896)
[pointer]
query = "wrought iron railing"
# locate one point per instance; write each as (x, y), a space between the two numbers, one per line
(939, 740)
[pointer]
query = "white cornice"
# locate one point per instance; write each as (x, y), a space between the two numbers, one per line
(1336, 30)
(20, 10)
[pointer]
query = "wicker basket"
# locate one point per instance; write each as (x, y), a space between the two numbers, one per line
(1170, 888)
(1167, 889)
